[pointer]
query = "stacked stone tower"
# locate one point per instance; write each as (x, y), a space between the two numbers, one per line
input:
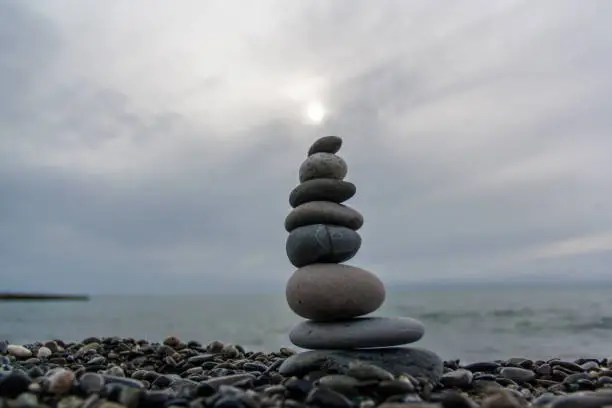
(335, 297)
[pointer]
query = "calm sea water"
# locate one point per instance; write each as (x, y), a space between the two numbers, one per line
(470, 325)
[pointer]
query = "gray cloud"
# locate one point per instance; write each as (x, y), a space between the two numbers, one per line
(141, 156)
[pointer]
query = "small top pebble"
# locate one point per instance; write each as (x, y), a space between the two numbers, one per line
(326, 144)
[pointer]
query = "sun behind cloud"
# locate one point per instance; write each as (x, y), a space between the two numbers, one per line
(316, 112)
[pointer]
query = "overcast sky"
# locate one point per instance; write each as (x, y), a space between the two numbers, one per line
(150, 146)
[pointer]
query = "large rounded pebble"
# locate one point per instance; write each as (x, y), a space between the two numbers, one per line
(517, 374)
(397, 360)
(321, 243)
(91, 383)
(323, 165)
(60, 381)
(334, 292)
(322, 189)
(43, 352)
(323, 212)
(357, 333)
(18, 351)
(326, 144)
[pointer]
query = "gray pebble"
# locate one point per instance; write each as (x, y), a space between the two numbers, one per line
(326, 144)
(517, 374)
(323, 212)
(91, 383)
(322, 189)
(357, 333)
(321, 243)
(323, 165)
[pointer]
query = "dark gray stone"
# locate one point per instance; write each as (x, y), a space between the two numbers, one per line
(321, 243)
(322, 189)
(357, 333)
(323, 212)
(517, 374)
(418, 362)
(326, 144)
(323, 165)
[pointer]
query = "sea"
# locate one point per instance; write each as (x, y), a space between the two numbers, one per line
(466, 324)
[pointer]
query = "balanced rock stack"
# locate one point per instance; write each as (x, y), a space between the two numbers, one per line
(333, 296)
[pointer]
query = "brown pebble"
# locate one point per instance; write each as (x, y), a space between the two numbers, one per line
(60, 381)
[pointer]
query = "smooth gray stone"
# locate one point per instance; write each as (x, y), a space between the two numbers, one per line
(322, 189)
(323, 165)
(323, 212)
(357, 333)
(417, 362)
(321, 243)
(331, 291)
(326, 144)
(517, 374)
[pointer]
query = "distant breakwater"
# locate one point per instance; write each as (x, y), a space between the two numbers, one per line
(41, 297)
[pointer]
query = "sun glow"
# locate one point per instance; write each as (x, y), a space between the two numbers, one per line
(315, 112)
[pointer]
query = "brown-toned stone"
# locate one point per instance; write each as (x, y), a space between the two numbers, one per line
(326, 292)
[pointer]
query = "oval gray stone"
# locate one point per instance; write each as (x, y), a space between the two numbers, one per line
(323, 165)
(364, 332)
(327, 292)
(321, 243)
(323, 212)
(322, 189)
(417, 362)
(326, 144)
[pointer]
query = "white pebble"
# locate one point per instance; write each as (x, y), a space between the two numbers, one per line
(16, 350)
(43, 352)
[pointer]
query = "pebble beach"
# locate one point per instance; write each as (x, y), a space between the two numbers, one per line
(116, 372)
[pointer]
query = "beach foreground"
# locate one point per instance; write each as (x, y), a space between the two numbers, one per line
(115, 373)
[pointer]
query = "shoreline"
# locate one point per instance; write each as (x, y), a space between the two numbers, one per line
(116, 373)
(16, 296)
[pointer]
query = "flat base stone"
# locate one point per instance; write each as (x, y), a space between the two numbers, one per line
(418, 362)
(358, 333)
